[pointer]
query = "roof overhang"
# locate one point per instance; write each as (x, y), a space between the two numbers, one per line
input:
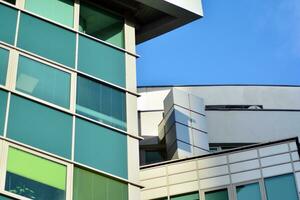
(156, 17)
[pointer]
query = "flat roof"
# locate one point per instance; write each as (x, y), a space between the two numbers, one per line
(155, 17)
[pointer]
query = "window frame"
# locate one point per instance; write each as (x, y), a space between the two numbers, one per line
(5, 145)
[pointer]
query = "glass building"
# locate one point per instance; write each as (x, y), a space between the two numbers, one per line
(68, 116)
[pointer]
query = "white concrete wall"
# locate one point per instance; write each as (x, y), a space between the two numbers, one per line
(220, 171)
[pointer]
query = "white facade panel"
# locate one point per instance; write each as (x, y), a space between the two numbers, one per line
(277, 170)
(273, 160)
(246, 155)
(211, 162)
(154, 183)
(214, 182)
(150, 129)
(295, 156)
(153, 172)
(246, 176)
(154, 193)
(214, 171)
(267, 151)
(182, 167)
(243, 166)
(296, 166)
(183, 177)
(184, 188)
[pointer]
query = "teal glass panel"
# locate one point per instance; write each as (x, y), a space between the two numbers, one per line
(248, 192)
(281, 187)
(3, 103)
(5, 198)
(101, 148)
(92, 186)
(101, 61)
(152, 156)
(3, 65)
(191, 196)
(40, 126)
(101, 24)
(217, 195)
(61, 11)
(8, 22)
(47, 40)
(101, 103)
(43, 82)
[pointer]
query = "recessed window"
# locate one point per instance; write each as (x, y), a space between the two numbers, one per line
(3, 65)
(61, 11)
(35, 177)
(8, 21)
(40, 126)
(11, 1)
(101, 61)
(101, 24)
(3, 102)
(43, 81)
(190, 196)
(91, 186)
(101, 103)
(281, 187)
(47, 40)
(217, 195)
(248, 192)
(153, 156)
(101, 148)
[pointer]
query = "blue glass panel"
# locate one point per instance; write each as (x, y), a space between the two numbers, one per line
(8, 22)
(3, 102)
(40, 126)
(281, 187)
(43, 82)
(47, 40)
(248, 192)
(3, 65)
(101, 61)
(101, 103)
(101, 148)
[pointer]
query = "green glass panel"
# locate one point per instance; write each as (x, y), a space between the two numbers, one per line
(248, 192)
(36, 168)
(192, 196)
(217, 195)
(3, 65)
(91, 186)
(61, 11)
(281, 187)
(3, 102)
(101, 61)
(8, 21)
(43, 81)
(96, 22)
(40, 126)
(101, 103)
(34, 177)
(47, 40)
(101, 148)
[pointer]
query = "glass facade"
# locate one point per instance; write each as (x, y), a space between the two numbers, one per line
(101, 61)
(43, 82)
(3, 102)
(101, 103)
(61, 11)
(101, 24)
(40, 126)
(281, 187)
(248, 192)
(47, 40)
(191, 196)
(217, 195)
(34, 177)
(8, 22)
(91, 186)
(3, 65)
(101, 148)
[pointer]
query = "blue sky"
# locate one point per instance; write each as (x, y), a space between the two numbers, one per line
(237, 42)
